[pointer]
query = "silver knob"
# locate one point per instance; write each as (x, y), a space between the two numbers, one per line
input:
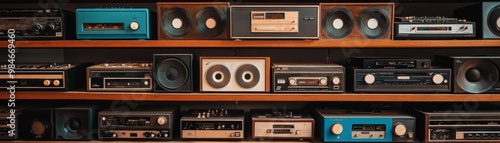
(337, 129)
(369, 78)
(134, 26)
(336, 80)
(437, 79)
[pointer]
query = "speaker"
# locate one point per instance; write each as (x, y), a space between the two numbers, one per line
(173, 72)
(486, 15)
(357, 21)
(235, 74)
(473, 74)
(76, 122)
(203, 20)
(37, 123)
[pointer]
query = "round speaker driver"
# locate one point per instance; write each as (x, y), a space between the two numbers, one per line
(172, 74)
(218, 76)
(176, 22)
(247, 76)
(373, 22)
(210, 22)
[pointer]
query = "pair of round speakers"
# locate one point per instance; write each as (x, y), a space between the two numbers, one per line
(177, 22)
(246, 76)
(372, 22)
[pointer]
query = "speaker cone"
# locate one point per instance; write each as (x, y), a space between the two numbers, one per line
(218, 76)
(176, 22)
(247, 76)
(72, 126)
(477, 76)
(494, 20)
(337, 23)
(172, 74)
(210, 22)
(373, 22)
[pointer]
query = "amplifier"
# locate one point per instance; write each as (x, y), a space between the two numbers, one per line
(337, 125)
(286, 124)
(463, 126)
(44, 76)
(390, 63)
(274, 22)
(120, 77)
(235, 74)
(32, 23)
(212, 124)
(308, 78)
(9, 128)
(112, 23)
(402, 80)
(144, 123)
(433, 28)
(473, 74)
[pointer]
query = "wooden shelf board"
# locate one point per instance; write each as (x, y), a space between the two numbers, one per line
(253, 44)
(298, 97)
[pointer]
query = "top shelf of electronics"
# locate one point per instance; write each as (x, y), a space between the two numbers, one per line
(253, 44)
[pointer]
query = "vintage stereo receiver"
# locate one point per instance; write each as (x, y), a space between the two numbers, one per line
(473, 74)
(193, 20)
(412, 27)
(9, 128)
(274, 22)
(112, 23)
(281, 124)
(357, 21)
(32, 23)
(462, 126)
(120, 77)
(338, 125)
(235, 74)
(390, 63)
(44, 76)
(308, 78)
(402, 80)
(212, 124)
(143, 123)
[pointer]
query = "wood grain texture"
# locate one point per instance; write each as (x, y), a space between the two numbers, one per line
(253, 44)
(294, 97)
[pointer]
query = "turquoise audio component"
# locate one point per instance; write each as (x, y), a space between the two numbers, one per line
(335, 125)
(112, 23)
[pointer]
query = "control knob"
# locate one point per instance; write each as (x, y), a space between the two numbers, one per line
(37, 27)
(337, 129)
(50, 28)
(134, 26)
(46, 82)
(336, 80)
(114, 135)
(161, 120)
(297, 132)
(369, 78)
(437, 79)
(323, 81)
(399, 129)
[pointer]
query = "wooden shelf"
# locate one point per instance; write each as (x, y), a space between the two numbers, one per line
(314, 141)
(294, 97)
(253, 44)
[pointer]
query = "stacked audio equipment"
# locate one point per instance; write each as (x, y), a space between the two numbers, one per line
(235, 74)
(173, 72)
(461, 126)
(486, 14)
(216, 124)
(357, 21)
(338, 125)
(44, 76)
(393, 74)
(300, 77)
(274, 22)
(142, 123)
(117, 76)
(473, 74)
(286, 124)
(37, 123)
(76, 122)
(412, 27)
(112, 23)
(193, 20)
(32, 24)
